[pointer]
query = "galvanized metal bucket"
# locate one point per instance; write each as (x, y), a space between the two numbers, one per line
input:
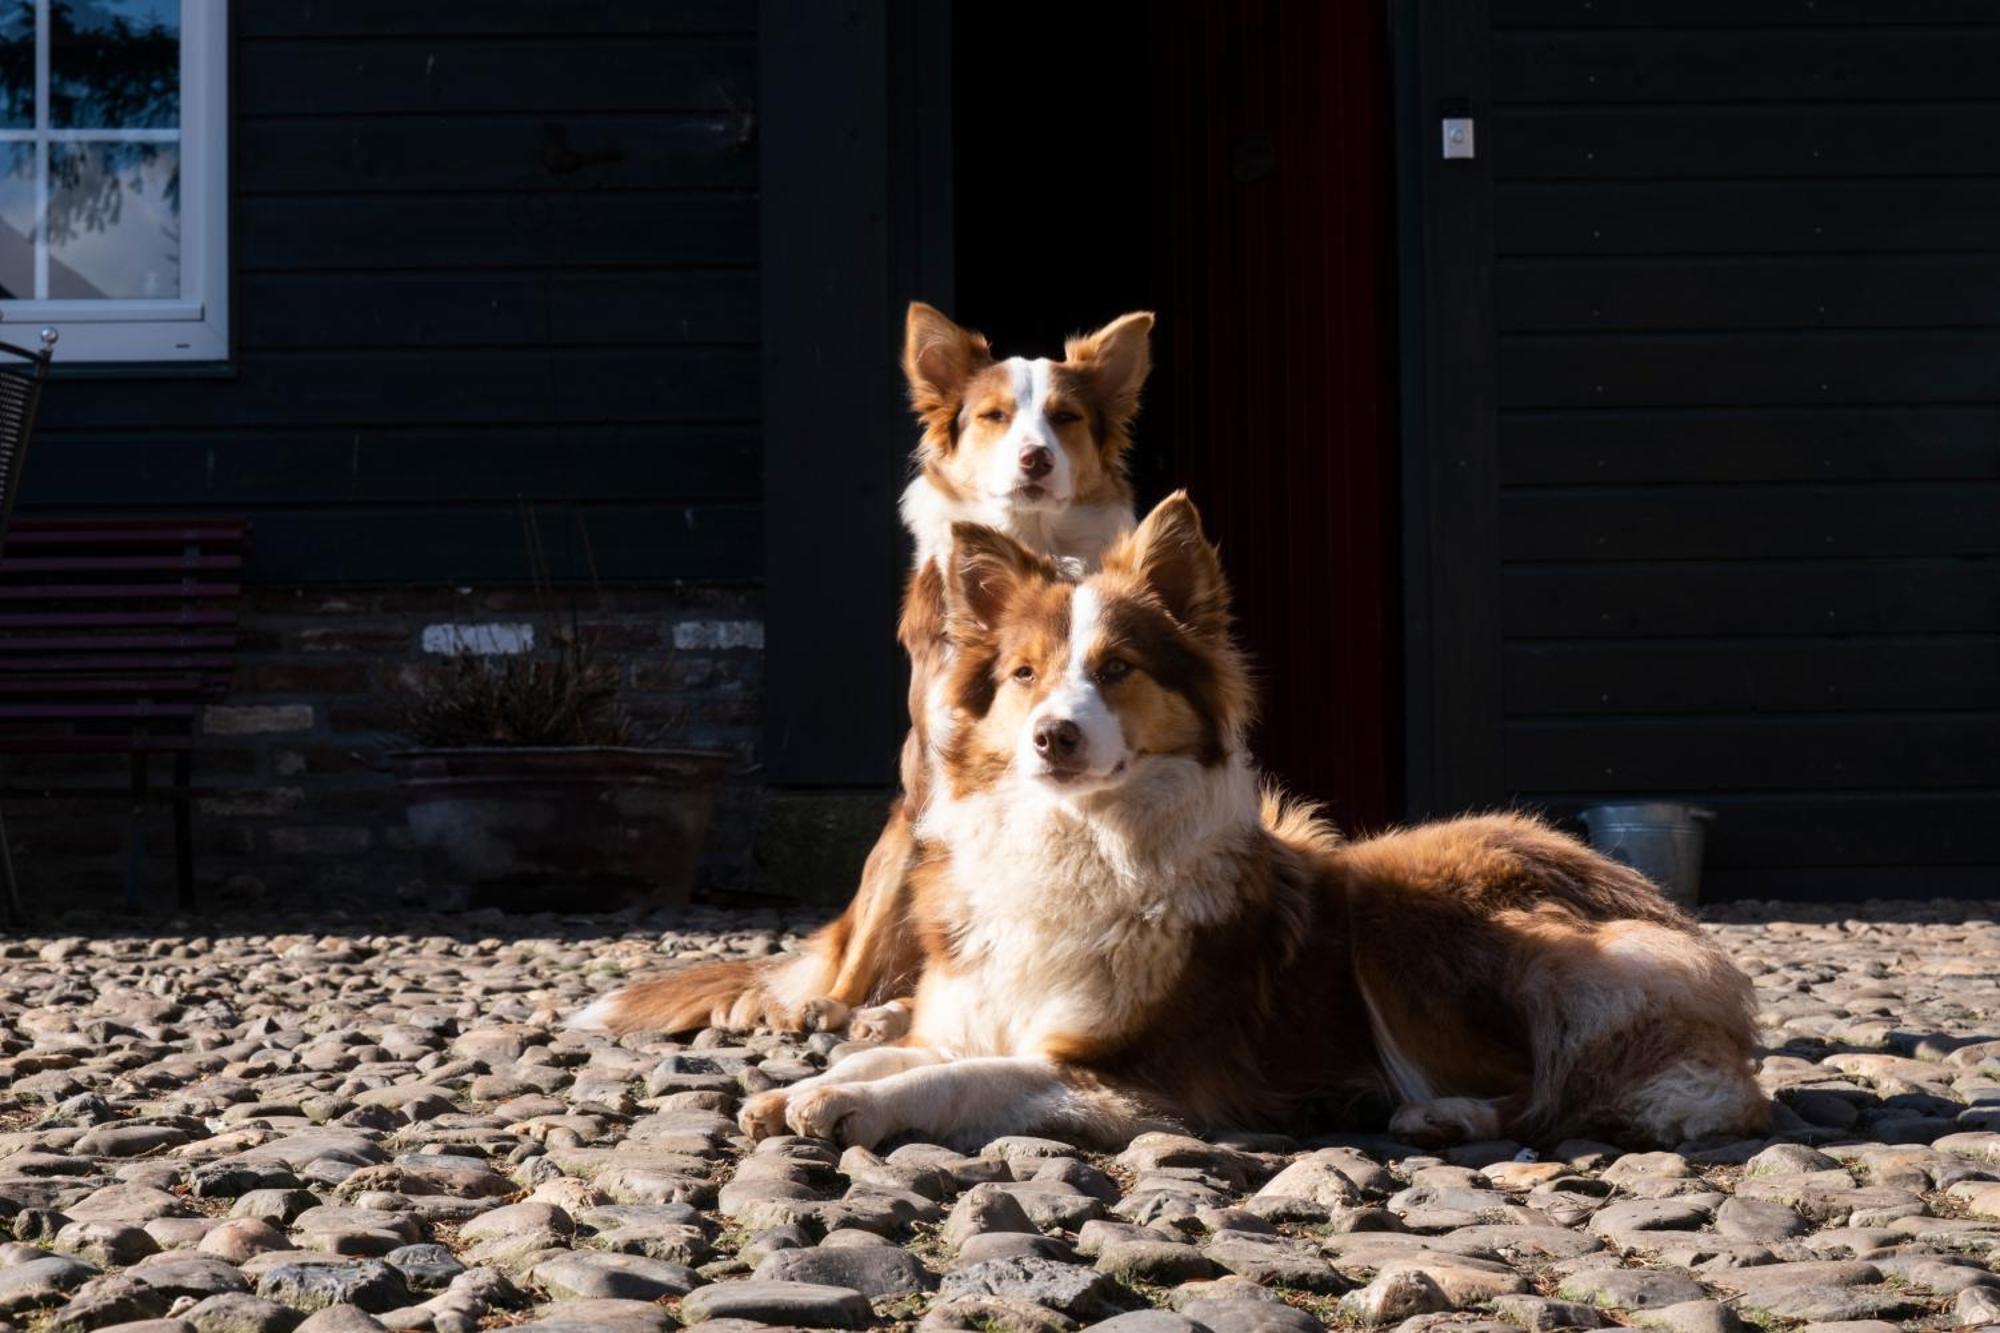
(1660, 839)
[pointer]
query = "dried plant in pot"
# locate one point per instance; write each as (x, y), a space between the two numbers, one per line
(529, 789)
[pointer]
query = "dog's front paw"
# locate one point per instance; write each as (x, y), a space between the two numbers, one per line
(882, 1023)
(842, 1113)
(1445, 1121)
(825, 1014)
(763, 1116)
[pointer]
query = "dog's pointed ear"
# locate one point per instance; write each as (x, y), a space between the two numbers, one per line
(938, 358)
(987, 570)
(1171, 555)
(1115, 359)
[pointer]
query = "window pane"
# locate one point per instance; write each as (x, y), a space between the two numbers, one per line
(17, 64)
(17, 222)
(114, 64)
(114, 221)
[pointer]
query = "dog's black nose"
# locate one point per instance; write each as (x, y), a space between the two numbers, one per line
(1037, 462)
(1058, 739)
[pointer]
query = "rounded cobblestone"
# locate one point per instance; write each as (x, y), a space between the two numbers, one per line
(384, 1125)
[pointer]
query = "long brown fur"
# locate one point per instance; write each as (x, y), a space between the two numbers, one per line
(1486, 976)
(869, 956)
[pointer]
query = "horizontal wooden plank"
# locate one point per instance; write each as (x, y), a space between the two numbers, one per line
(504, 308)
(16, 566)
(143, 742)
(1812, 597)
(467, 542)
(520, 18)
(158, 644)
(584, 229)
(1794, 830)
(1545, 678)
(501, 385)
(1799, 521)
(1747, 217)
(1790, 754)
(1750, 369)
(17, 664)
(120, 527)
(190, 468)
(430, 154)
(1880, 829)
(1788, 143)
(1719, 65)
(1849, 884)
(165, 616)
(321, 76)
(1832, 444)
(76, 594)
(631, 543)
(17, 688)
(95, 712)
(1736, 14)
(125, 533)
(1808, 292)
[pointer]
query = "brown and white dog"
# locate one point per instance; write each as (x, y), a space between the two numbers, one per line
(1120, 932)
(1031, 448)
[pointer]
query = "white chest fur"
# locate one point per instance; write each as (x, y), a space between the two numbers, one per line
(1073, 919)
(1079, 532)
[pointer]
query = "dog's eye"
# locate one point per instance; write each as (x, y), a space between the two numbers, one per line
(993, 414)
(1064, 417)
(1113, 670)
(1024, 674)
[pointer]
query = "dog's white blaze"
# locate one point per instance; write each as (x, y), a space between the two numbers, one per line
(1077, 698)
(1030, 428)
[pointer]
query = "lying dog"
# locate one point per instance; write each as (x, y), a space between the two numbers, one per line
(1031, 448)
(1117, 937)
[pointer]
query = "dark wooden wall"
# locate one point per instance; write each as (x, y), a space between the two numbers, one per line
(1743, 489)
(482, 251)
(857, 170)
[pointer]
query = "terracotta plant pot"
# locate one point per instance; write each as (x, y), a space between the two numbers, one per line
(584, 829)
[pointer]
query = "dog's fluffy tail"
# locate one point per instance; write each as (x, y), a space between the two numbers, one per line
(737, 996)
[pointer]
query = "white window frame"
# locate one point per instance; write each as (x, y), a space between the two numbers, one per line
(195, 326)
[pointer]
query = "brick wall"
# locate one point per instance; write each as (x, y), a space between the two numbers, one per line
(294, 813)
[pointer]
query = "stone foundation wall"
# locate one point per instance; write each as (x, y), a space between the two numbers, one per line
(294, 813)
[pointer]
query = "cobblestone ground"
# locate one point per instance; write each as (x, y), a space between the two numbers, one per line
(235, 1132)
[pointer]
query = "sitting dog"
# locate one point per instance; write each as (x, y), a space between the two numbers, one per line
(1121, 933)
(1032, 448)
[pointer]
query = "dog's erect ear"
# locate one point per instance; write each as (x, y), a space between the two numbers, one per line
(1116, 359)
(988, 568)
(938, 358)
(1172, 556)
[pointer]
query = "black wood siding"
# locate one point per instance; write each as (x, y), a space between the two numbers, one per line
(483, 252)
(1746, 259)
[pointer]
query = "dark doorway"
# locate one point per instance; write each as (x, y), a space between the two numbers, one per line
(1228, 166)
